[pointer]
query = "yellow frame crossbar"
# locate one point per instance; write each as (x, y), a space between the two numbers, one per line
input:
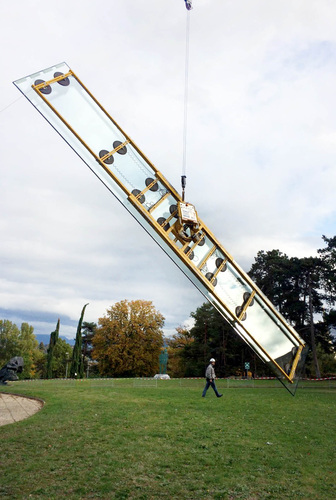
(115, 150)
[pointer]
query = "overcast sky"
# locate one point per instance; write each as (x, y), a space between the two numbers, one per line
(261, 145)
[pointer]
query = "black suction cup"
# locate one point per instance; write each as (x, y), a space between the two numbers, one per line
(191, 255)
(209, 277)
(161, 221)
(142, 198)
(246, 296)
(172, 209)
(149, 181)
(108, 160)
(64, 82)
(238, 313)
(43, 90)
(219, 262)
(121, 151)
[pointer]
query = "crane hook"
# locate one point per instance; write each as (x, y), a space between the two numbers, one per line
(188, 4)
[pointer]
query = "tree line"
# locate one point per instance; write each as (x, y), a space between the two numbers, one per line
(128, 340)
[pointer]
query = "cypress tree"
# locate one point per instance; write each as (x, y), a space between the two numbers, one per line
(77, 365)
(52, 342)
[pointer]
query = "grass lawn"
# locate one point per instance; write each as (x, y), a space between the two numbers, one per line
(127, 439)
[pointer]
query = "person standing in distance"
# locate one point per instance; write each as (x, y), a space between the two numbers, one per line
(210, 379)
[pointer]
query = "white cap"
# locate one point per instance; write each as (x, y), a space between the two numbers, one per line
(212, 360)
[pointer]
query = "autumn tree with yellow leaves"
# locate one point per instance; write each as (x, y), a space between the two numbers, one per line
(128, 340)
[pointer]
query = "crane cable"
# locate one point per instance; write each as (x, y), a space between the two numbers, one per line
(185, 121)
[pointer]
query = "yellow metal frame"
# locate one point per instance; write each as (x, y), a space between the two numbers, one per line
(115, 150)
(295, 362)
(147, 214)
(50, 82)
(207, 256)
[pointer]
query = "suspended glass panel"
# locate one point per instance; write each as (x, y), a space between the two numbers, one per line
(265, 328)
(231, 287)
(77, 116)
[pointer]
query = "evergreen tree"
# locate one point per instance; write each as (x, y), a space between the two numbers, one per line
(311, 270)
(50, 353)
(272, 272)
(88, 332)
(77, 365)
(62, 353)
(214, 337)
(328, 256)
(296, 286)
(179, 346)
(330, 319)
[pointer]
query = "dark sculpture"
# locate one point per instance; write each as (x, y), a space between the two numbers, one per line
(10, 370)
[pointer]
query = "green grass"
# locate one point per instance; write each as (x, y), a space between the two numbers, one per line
(119, 439)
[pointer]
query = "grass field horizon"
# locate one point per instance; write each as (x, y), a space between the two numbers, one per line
(133, 439)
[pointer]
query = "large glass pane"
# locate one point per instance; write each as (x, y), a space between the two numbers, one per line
(95, 135)
(231, 287)
(264, 327)
(100, 134)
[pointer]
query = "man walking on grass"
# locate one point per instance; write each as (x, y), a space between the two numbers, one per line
(210, 379)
